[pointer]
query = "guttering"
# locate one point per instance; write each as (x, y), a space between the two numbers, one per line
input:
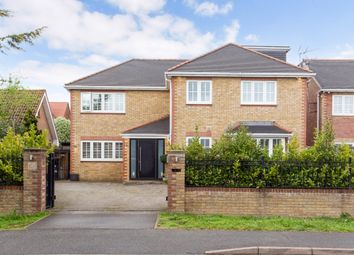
(337, 90)
(170, 127)
(70, 87)
(152, 136)
(269, 135)
(221, 74)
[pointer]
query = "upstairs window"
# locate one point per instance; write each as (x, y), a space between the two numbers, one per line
(103, 102)
(199, 92)
(343, 105)
(259, 92)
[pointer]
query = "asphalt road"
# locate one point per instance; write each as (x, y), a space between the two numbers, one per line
(94, 235)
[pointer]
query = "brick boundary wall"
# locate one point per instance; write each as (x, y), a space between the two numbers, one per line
(252, 201)
(11, 199)
(31, 196)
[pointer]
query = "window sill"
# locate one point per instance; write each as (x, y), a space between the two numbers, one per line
(101, 160)
(109, 113)
(342, 115)
(199, 104)
(271, 105)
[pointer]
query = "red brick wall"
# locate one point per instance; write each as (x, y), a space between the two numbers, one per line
(312, 93)
(342, 125)
(262, 202)
(11, 199)
(31, 197)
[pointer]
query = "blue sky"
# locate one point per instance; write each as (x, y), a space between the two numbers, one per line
(86, 36)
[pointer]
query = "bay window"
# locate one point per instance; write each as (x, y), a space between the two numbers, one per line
(270, 143)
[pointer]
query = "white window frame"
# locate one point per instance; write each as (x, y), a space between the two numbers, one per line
(253, 102)
(102, 103)
(343, 105)
(102, 151)
(270, 143)
(200, 138)
(199, 92)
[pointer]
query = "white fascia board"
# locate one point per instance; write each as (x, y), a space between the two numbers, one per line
(269, 135)
(151, 136)
(267, 48)
(221, 74)
(49, 117)
(337, 90)
(70, 87)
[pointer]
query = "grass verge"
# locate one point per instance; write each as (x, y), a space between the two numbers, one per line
(344, 223)
(15, 221)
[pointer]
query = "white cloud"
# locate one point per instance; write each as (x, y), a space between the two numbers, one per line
(50, 76)
(231, 31)
(207, 8)
(92, 40)
(138, 6)
(251, 38)
(73, 28)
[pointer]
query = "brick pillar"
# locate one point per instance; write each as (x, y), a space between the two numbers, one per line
(176, 183)
(34, 180)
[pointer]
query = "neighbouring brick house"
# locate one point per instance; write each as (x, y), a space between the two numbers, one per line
(38, 105)
(332, 94)
(123, 117)
(60, 109)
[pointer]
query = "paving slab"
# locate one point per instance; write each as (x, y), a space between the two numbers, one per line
(84, 220)
(110, 196)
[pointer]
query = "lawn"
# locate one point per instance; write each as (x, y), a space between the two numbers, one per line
(15, 221)
(218, 222)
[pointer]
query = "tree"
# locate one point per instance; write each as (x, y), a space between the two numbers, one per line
(14, 41)
(62, 126)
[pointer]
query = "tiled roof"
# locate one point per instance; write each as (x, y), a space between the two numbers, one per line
(262, 127)
(59, 109)
(233, 58)
(161, 126)
(20, 102)
(133, 73)
(333, 73)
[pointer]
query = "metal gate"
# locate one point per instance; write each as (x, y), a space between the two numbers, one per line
(52, 166)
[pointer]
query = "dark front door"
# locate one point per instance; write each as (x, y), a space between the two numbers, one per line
(147, 159)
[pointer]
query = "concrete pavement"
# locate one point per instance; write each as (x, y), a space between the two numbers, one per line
(93, 234)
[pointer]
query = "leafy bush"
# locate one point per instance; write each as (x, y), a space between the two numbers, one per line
(62, 127)
(11, 152)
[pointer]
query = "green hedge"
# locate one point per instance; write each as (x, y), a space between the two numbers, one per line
(235, 160)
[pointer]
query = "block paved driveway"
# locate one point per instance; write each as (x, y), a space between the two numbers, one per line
(109, 197)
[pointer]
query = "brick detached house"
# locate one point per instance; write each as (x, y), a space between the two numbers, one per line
(332, 96)
(123, 117)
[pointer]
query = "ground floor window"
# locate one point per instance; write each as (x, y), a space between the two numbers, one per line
(206, 142)
(101, 151)
(270, 143)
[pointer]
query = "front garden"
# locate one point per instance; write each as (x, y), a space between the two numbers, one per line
(235, 160)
